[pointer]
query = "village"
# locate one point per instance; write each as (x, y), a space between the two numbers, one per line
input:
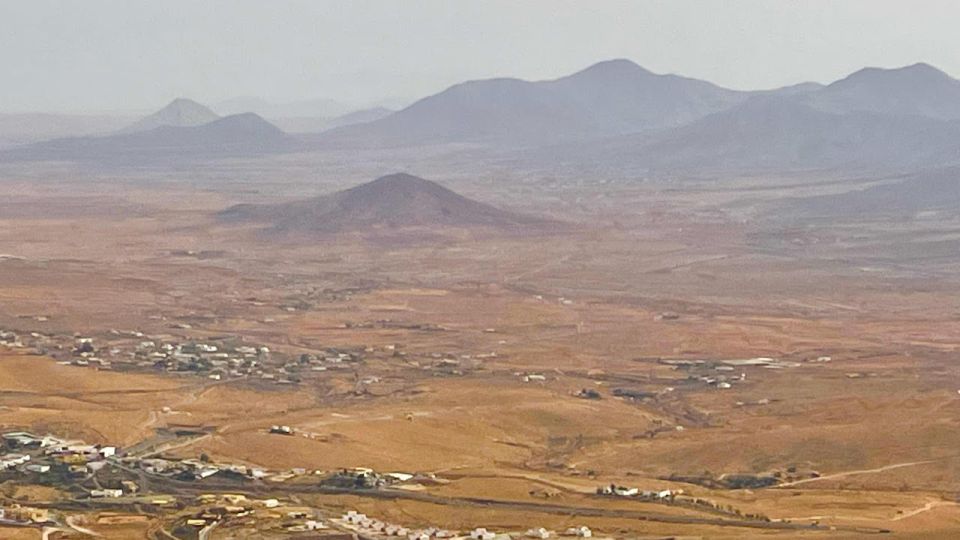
(224, 358)
(106, 477)
(228, 358)
(200, 494)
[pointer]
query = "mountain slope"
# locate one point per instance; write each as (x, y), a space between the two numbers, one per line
(929, 191)
(388, 203)
(768, 133)
(238, 135)
(361, 116)
(180, 112)
(917, 90)
(609, 98)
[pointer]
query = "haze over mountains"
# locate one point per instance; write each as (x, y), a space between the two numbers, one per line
(316, 108)
(620, 115)
(240, 135)
(387, 204)
(614, 115)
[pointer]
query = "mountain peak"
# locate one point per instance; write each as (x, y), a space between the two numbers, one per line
(617, 67)
(919, 72)
(186, 109)
(183, 102)
(922, 67)
(181, 112)
(401, 179)
(248, 119)
(914, 90)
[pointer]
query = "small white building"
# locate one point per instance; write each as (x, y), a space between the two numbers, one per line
(354, 518)
(10, 461)
(482, 534)
(314, 525)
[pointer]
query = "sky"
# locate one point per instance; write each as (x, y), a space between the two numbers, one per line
(127, 55)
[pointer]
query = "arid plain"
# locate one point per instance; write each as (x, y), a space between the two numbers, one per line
(668, 338)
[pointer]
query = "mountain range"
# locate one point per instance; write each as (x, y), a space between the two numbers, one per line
(614, 115)
(608, 98)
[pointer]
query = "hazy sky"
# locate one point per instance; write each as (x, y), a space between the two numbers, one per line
(138, 54)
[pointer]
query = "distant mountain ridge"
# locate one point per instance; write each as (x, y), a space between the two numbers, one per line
(389, 203)
(773, 133)
(614, 115)
(608, 98)
(619, 102)
(230, 136)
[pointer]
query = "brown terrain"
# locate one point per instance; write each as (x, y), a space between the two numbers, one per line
(523, 370)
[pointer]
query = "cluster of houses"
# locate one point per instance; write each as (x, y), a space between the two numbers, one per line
(723, 374)
(216, 360)
(218, 508)
(543, 534)
(366, 478)
(196, 469)
(199, 469)
(676, 496)
(26, 453)
(47, 454)
(368, 526)
(614, 490)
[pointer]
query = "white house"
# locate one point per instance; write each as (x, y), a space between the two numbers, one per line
(581, 532)
(482, 534)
